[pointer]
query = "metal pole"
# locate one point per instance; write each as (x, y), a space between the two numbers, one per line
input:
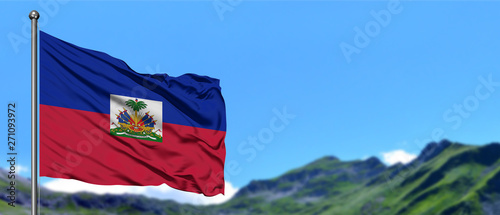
(34, 15)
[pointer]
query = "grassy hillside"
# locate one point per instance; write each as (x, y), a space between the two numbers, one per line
(460, 179)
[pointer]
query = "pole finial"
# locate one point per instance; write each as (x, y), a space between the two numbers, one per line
(34, 14)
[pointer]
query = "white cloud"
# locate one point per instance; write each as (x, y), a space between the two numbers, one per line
(19, 168)
(22, 169)
(160, 192)
(398, 156)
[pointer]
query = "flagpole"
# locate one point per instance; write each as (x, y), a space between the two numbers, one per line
(34, 15)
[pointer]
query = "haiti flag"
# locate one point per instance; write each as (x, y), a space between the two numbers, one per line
(103, 123)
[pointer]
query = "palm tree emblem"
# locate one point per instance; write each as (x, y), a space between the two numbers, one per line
(138, 124)
(136, 106)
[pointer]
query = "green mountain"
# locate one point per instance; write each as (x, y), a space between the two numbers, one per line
(446, 178)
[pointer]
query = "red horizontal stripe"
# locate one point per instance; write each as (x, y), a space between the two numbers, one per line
(77, 144)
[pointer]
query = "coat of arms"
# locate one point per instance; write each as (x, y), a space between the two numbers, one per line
(134, 120)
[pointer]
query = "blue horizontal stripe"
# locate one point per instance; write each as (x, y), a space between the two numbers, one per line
(83, 79)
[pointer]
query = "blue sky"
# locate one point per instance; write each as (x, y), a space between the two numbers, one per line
(405, 82)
